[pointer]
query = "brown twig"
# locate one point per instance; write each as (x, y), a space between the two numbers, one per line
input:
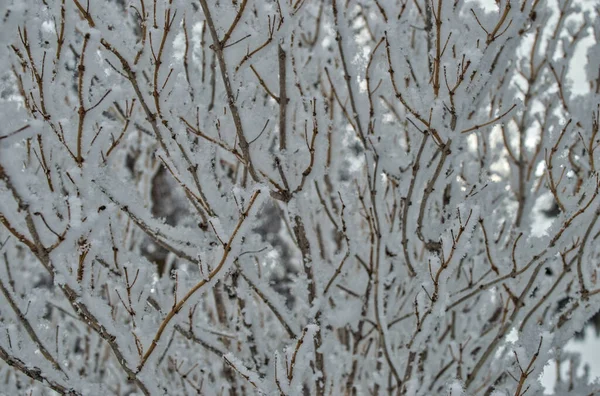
(216, 270)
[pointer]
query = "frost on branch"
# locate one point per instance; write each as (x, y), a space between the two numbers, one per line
(295, 197)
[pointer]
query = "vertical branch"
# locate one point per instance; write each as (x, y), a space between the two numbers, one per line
(347, 77)
(237, 120)
(282, 98)
(438, 48)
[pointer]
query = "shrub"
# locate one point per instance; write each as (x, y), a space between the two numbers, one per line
(295, 197)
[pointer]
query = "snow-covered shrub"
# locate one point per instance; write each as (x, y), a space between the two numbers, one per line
(295, 196)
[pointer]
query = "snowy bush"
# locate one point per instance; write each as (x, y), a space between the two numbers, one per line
(295, 196)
